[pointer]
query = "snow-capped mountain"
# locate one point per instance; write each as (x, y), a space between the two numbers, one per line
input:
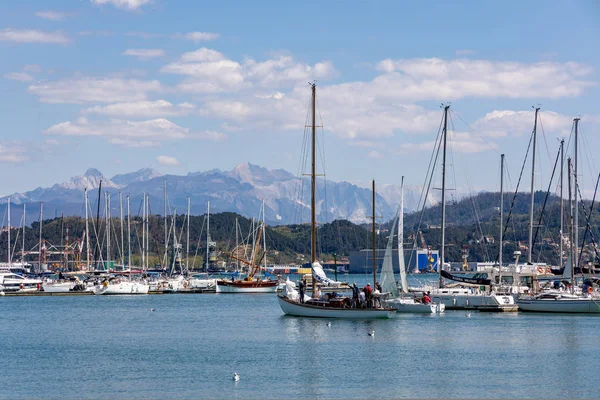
(241, 190)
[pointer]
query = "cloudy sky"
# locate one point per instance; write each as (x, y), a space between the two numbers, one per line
(186, 86)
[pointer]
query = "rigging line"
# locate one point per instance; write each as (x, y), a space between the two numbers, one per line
(198, 244)
(586, 146)
(537, 228)
(587, 218)
(508, 218)
(544, 136)
(425, 189)
(477, 133)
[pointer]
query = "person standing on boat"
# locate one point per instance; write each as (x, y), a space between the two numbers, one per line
(354, 295)
(426, 299)
(302, 287)
(368, 293)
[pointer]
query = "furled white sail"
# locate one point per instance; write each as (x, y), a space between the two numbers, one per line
(387, 279)
(401, 240)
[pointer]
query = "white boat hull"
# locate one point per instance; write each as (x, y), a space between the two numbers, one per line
(57, 287)
(580, 306)
(406, 307)
(123, 288)
(296, 309)
(470, 301)
(234, 289)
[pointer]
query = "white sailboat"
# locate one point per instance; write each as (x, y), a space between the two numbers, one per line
(393, 299)
(317, 306)
(556, 301)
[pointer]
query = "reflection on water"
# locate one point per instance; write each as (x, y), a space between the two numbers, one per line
(115, 347)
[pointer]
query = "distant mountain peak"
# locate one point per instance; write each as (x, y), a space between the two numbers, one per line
(142, 175)
(257, 175)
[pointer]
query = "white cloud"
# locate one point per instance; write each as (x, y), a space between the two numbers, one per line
(144, 53)
(94, 90)
(501, 123)
(375, 154)
(167, 160)
(197, 36)
(53, 15)
(465, 52)
(13, 153)
(32, 36)
(18, 76)
(131, 133)
(124, 4)
(442, 80)
(143, 109)
(209, 71)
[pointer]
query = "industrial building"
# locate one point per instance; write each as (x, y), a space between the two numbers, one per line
(424, 259)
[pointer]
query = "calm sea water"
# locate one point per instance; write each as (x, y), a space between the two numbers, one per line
(116, 347)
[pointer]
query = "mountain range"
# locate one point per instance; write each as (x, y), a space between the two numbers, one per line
(240, 190)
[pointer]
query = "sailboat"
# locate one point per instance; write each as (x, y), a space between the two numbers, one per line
(556, 301)
(405, 303)
(252, 283)
(458, 298)
(326, 306)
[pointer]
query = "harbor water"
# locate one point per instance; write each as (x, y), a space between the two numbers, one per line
(190, 346)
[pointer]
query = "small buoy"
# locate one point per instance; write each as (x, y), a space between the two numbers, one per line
(468, 315)
(153, 309)
(236, 376)
(372, 333)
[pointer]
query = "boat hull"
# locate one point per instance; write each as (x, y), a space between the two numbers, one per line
(246, 287)
(57, 287)
(123, 288)
(574, 306)
(402, 307)
(296, 309)
(470, 301)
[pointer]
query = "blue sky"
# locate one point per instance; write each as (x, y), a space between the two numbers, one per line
(185, 86)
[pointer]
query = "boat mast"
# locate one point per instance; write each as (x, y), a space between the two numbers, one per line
(23, 248)
(97, 224)
(207, 234)
(40, 244)
(571, 231)
(187, 246)
(237, 245)
(562, 217)
(373, 243)
(575, 200)
(87, 232)
(313, 185)
(264, 232)
(530, 247)
(128, 235)
(501, 217)
(122, 231)
(143, 230)
(9, 256)
(108, 254)
(147, 231)
(165, 219)
(442, 249)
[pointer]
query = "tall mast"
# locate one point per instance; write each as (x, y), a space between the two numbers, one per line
(374, 241)
(313, 177)
(501, 217)
(530, 247)
(187, 246)
(23, 248)
(40, 244)
(122, 231)
(562, 217)
(128, 235)
(571, 231)
(443, 249)
(9, 255)
(87, 231)
(165, 217)
(575, 199)
(237, 245)
(97, 223)
(143, 230)
(207, 234)
(264, 232)
(108, 253)
(147, 231)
